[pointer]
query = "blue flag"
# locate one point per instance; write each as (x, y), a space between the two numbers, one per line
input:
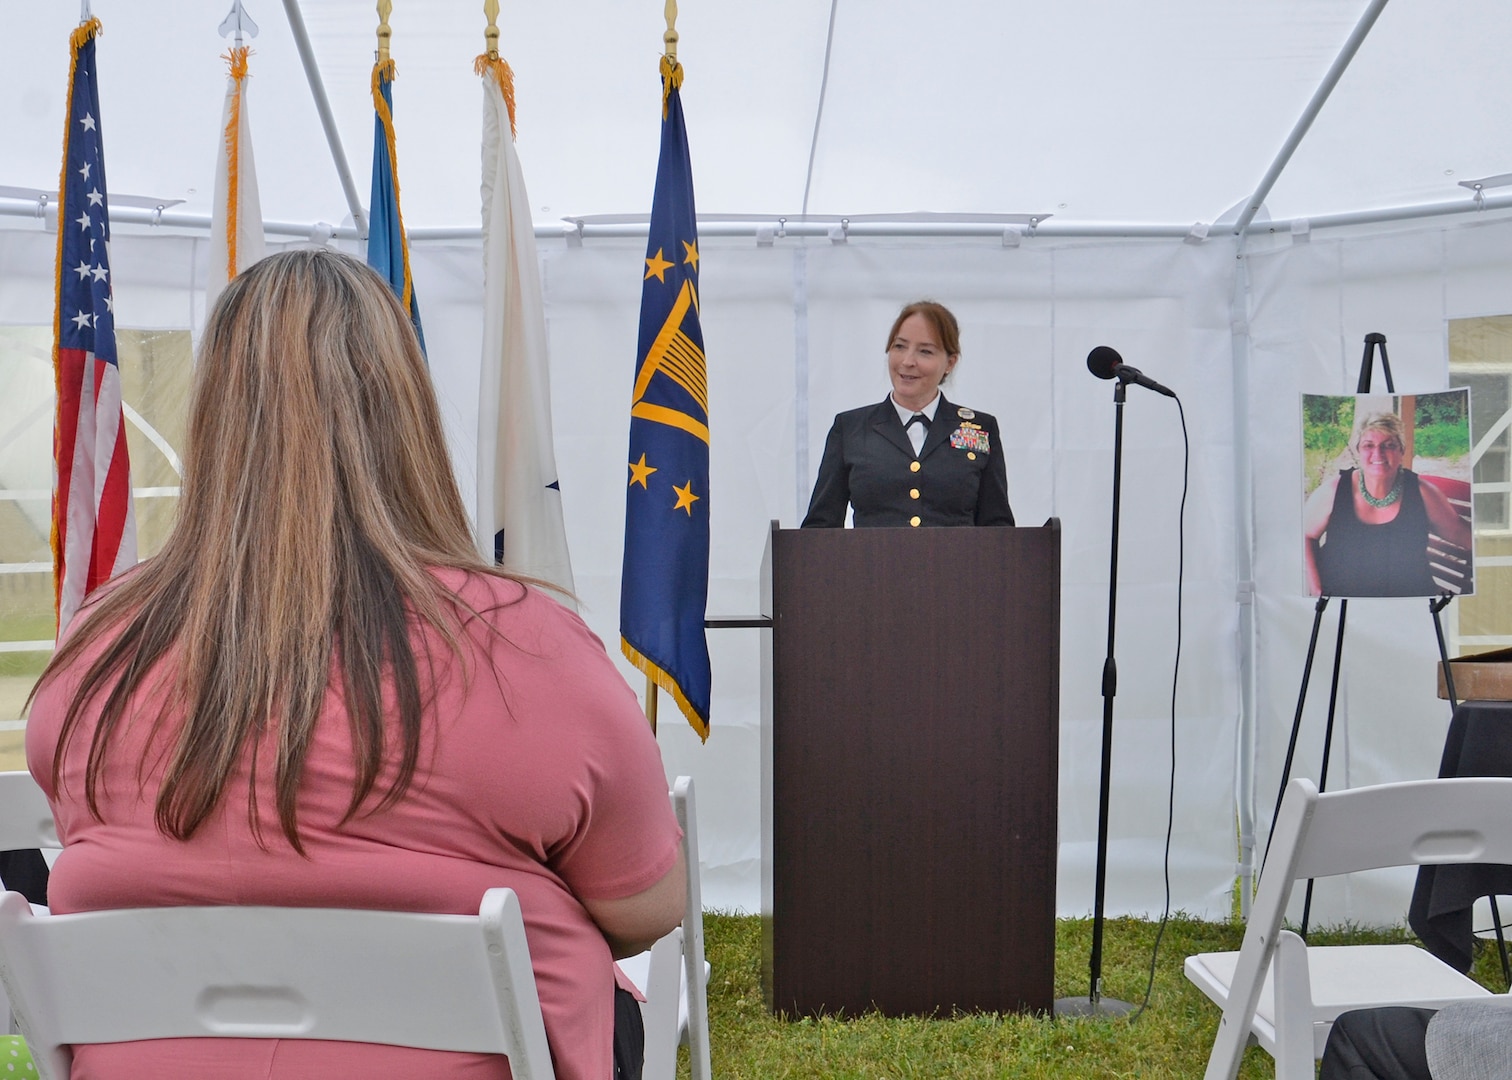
(665, 586)
(388, 250)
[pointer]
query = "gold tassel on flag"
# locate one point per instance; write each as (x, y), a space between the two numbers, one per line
(236, 226)
(493, 65)
(385, 70)
(237, 59)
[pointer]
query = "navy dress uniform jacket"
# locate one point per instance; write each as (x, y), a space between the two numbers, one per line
(959, 477)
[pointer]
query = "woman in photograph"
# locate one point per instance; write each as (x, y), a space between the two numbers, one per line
(915, 459)
(319, 695)
(1367, 528)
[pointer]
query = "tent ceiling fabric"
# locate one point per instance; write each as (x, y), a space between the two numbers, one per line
(1099, 111)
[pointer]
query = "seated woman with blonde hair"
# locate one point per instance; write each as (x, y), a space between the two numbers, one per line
(319, 695)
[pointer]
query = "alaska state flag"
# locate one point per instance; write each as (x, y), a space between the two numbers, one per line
(664, 588)
(387, 247)
(93, 525)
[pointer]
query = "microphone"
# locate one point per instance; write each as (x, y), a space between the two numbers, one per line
(1105, 363)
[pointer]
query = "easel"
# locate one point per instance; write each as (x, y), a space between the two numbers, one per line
(1436, 604)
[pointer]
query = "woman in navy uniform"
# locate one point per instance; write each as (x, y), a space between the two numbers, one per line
(915, 459)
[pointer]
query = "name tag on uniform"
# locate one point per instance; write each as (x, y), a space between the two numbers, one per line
(971, 437)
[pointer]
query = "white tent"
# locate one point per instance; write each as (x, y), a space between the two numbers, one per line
(1063, 176)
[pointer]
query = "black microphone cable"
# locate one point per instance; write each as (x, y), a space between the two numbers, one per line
(1165, 915)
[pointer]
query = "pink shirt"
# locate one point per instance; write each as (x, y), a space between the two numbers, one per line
(537, 772)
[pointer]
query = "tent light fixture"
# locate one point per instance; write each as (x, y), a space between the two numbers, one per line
(1012, 237)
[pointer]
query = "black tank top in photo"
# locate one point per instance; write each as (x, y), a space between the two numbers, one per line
(1357, 559)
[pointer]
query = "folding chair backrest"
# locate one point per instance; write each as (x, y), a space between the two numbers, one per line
(673, 975)
(693, 935)
(441, 982)
(26, 820)
(659, 974)
(1464, 820)
(1415, 823)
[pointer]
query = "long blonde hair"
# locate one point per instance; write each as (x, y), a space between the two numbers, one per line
(317, 494)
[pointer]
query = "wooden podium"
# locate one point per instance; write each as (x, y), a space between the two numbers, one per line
(909, 769)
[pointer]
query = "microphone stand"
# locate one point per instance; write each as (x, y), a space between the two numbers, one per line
(1094, 1004)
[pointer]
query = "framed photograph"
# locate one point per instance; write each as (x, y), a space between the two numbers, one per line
(1386, 494)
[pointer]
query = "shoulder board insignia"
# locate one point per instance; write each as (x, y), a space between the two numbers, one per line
(965, 413)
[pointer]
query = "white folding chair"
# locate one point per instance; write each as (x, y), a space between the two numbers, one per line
(439, 982)
(674, 976)
(26, 820)
(1286, 994)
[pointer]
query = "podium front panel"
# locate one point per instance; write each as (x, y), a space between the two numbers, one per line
(910, 770)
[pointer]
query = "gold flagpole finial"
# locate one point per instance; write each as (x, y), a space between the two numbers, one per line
(669, 39)
(491, 34)
(385, 32)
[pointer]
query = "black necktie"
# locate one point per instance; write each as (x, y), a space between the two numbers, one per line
(917, 418)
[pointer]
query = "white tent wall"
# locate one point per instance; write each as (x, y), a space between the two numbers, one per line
(1310, 306)
(794, 330)
(1030, 315)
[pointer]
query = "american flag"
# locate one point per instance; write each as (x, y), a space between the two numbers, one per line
(93, 527)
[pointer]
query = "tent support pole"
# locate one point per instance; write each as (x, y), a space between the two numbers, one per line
(1309, 114)
(327, 120)
(1244, 540)
(27, 207)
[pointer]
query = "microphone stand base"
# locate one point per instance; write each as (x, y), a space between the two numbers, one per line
(1082, 1008)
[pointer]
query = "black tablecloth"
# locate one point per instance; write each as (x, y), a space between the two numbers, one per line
(1479, 744)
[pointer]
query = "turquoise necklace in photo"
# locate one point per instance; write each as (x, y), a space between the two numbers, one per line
(1391, 496)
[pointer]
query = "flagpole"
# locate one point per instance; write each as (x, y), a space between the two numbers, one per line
(491, 31)
(669, 40)
(385, 32)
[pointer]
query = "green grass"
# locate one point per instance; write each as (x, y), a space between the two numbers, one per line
(1170, 1040)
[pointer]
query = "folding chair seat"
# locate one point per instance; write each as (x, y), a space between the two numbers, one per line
(1284, 994)
(439, 982)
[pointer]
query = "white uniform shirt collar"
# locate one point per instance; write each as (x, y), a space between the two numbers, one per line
(905, 414)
